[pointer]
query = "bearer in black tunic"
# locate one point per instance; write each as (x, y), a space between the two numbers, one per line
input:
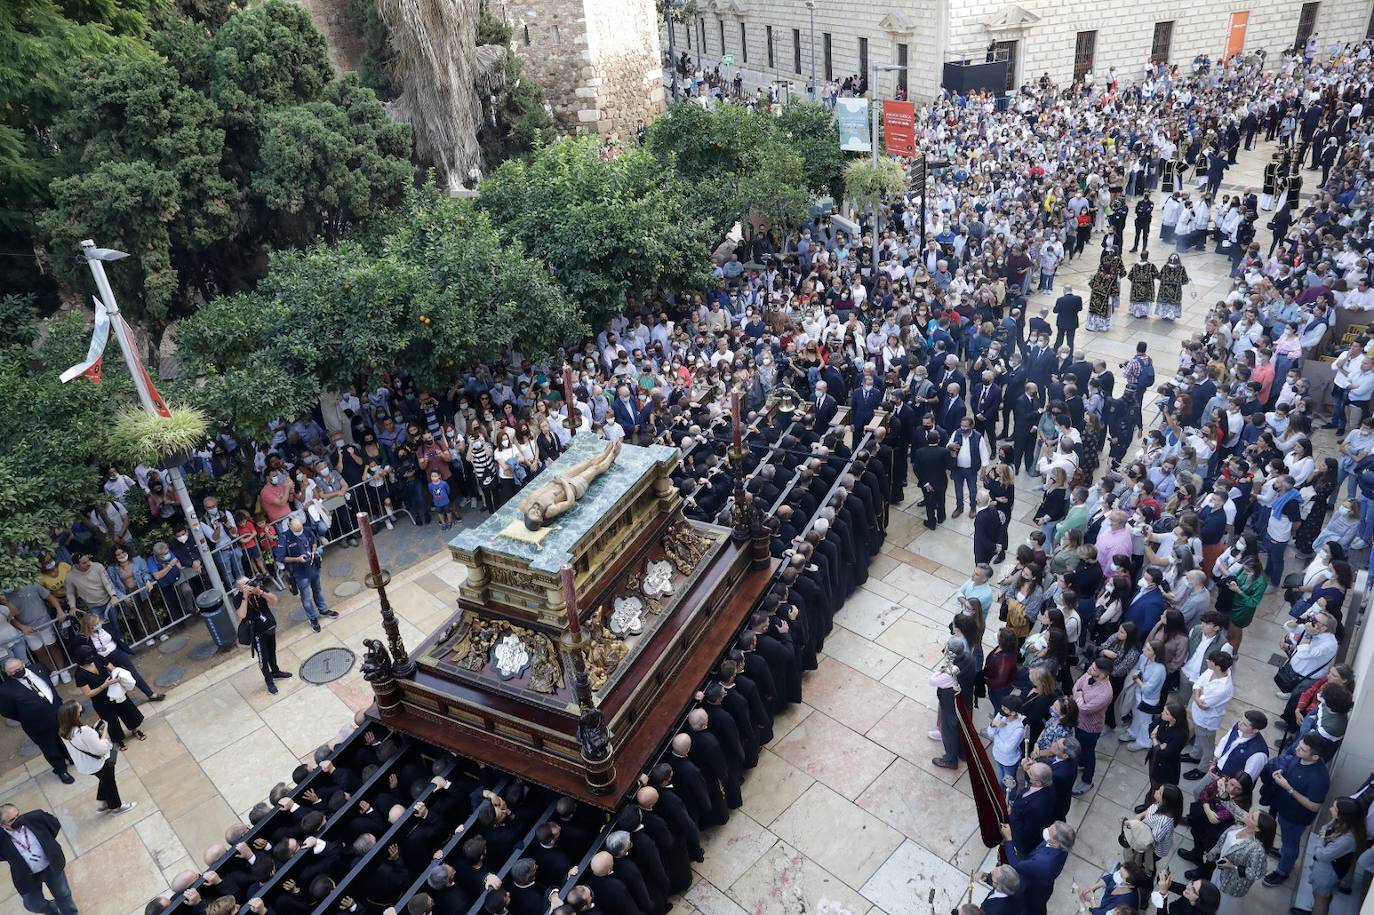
(684, 810)
(705, 750)
(757, 669)
(729, 718)
(739, 684)
(672, 847)
(782, 660)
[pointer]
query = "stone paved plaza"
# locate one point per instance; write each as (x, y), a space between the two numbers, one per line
(845, 807)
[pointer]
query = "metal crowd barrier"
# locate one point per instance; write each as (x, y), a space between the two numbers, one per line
(144, 617)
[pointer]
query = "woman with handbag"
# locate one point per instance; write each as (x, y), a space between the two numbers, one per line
(93, 755)
(1162, 812)
(1237, 860)
(1123, 650)
(107, 685)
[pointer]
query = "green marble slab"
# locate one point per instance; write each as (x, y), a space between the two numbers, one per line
(633, 464)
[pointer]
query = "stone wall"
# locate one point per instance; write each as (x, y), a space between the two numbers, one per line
(345, 41)
(936, 31)
(598, 60)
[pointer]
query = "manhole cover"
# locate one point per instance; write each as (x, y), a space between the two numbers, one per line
(327, 665)
(204, 651)
(172, 645)
(347, 589)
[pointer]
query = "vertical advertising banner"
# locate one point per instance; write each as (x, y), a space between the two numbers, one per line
(899, 128)
(851, 115)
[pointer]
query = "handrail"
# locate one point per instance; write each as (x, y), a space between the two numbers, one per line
(284, 872)
(266, 822)
(343, 885)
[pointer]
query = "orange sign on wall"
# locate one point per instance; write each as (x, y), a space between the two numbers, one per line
(1235, 34)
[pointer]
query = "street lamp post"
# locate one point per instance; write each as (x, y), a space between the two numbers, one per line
(672, 7)
(874, 104)
(811, 90)
(95, 259)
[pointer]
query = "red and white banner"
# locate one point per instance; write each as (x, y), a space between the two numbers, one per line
(899, 127)
(100, 335)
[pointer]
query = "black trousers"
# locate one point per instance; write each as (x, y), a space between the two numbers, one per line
(1024, 451)
(106, 790)
(266, 647)
(1063, 334)
(51, 746)
(122, 718)
(935, 505)
(1142, 237)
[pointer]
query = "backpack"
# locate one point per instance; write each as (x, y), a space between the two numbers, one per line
(1147, 375)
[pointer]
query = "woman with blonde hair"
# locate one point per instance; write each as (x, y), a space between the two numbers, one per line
(93, 754)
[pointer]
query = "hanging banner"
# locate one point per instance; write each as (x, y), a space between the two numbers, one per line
(899, 128)
(851, 115)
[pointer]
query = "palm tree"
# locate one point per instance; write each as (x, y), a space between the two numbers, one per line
(439, 75)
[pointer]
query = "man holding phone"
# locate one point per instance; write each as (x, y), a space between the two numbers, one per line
(255, 608)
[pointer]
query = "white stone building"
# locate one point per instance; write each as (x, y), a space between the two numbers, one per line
(772, 40)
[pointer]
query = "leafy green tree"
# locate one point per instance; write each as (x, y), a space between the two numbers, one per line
(606, 227)
(732, 161)
(197, 159)
(41, 43)
(329, 164)
(145, 162)
(438, 292)
(812, 133)
(51, 434)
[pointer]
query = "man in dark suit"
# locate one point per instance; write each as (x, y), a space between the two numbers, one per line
(932, 475)
(1040, 362)
(626, 410)
(989, 530)
(1066, 310)
(985, 400)
(1026, 414)
(28, 843)
(826, 405)
(1006, 897)
(28, 697)
(952, 410)
(1039, 869)
(1038, 326)
(1032, 810)
(865, 401)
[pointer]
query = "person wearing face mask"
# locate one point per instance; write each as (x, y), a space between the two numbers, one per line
(1042, 866)
(300, 551)
(1128, 885)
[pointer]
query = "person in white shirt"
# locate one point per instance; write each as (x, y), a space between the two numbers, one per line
(1315, 646)
(1006, 730)
(1361, 298)
(1211, 692)
(1251, 723)
(90, 751)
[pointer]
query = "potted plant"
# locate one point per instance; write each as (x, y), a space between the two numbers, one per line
(163, 441)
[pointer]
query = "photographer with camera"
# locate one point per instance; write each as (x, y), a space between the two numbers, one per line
(255, 612)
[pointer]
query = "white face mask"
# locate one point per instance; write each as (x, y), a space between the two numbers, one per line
(1345, 512)
(1144, 583)
(1045, 834)
(1120, 876)
(182, 538)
